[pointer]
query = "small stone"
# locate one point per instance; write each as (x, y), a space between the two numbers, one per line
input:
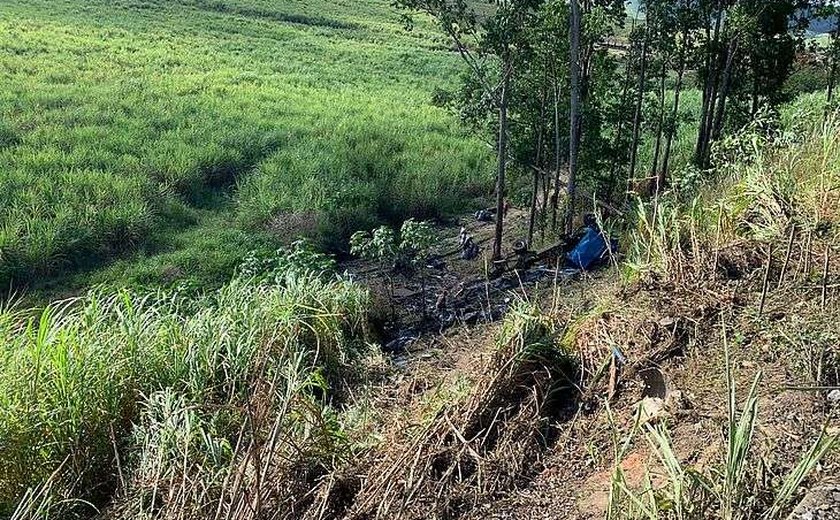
(676, 402)
(834, 396)
(652, 410)
(667, 322)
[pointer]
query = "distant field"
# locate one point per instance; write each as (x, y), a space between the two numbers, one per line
(176, 134)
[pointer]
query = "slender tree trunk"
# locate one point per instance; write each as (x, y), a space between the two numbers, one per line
(637, 112)
(532, 221)
(546, 178)
(500, 177)
(832, 73)
(720, 113)
(537, 156)
(555, 198)
(584, 70)
(672, 128)
(709, 92)
(574, 122)
(708, 122)
(625, 90)
(660, 127)
(755, 97)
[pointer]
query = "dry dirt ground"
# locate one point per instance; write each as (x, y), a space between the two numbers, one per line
(649, 338)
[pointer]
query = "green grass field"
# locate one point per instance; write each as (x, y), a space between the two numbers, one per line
(177, 134)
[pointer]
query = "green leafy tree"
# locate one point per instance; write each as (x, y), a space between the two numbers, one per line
(830, 54)
(410, 248)
(748, 53)
(489, 45)
(539, 106)
(671, 28)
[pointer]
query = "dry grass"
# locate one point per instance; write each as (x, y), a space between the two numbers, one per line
(480, 443)
(759, 243)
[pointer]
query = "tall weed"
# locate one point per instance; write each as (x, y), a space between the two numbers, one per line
(77, 376)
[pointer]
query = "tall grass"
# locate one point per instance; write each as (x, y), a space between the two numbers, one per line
(79, 377)
(116, 117)
(671, 238)
(764, 184)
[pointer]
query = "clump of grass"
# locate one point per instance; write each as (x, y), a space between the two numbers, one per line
(794, 185)
(75, 377)
(672, 239)
(764, 185)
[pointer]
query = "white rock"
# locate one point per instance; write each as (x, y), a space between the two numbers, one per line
(652, 410)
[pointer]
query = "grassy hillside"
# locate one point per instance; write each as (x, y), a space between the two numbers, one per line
(149, 143)
(168, 126)
(265, 398)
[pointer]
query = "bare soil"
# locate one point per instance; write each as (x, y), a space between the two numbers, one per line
(560, 464)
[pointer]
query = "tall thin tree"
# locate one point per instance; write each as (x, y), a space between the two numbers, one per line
(673, 122)
(637, 111)
(574, 121)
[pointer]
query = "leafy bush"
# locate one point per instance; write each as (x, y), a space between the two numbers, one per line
(409, 248)
(406, 252)
(300, 258)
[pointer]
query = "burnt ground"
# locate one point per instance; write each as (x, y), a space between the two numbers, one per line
(455, 292)
(670, 341)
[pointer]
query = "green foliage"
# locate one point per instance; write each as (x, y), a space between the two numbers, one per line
(417, 239)
(806, 79)
(75, 378)
(411, 246)
(380, 244)
(532, 333)
(115, 113)
(672, 238)
(407, 252)
(300, 258)
(789, 183)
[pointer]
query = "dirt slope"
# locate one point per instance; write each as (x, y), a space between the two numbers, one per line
(465, 435)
